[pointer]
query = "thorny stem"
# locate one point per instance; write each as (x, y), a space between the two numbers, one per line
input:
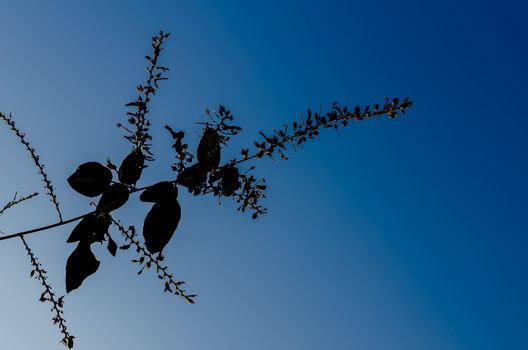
(161, 270)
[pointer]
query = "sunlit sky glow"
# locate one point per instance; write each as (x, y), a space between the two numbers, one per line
(389, 234)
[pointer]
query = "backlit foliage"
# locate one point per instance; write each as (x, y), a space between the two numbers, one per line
(206, 171)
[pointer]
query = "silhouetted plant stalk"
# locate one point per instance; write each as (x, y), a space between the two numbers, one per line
(49, 296)
(16, 201)
(207, 175)
(252, 188)
(147, 260)
(36, 159)
(140, 136)
(40, 274)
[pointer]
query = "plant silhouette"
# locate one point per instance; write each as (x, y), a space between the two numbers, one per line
(207, 171)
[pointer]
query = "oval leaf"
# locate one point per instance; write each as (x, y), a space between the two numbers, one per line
(84, 230)
(112, 246)
(161, 190)
(230, 180)
(193, 177)
(114, 197)
(101, 228)
(131, 167)
(81, 264)
(90, 179)
(208, 152)
(160, 224)
(91, 228)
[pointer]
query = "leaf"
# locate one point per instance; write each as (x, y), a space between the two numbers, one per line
(84, 230)
(160, 224)
(230, 180)
(90, 179)
(112, 246)
(81, 264)
(193, 177)
(101, 229)
(208, 152)
(131, 167)
(91, 228)
(159, 191)
(175, 135)
(114, 197)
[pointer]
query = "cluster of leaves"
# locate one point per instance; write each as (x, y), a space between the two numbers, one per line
(92, 179)
(205, 175)
(201, 172)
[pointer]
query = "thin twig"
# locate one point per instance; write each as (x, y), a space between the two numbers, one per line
(49, 296)
(41, 275)
(16, 201)
(36, 159)
(171, 285)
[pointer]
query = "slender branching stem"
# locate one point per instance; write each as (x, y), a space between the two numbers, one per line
(16, 201)
(149, 261)
(36, 159)
(39, 273)
(266, 148)
(49, 296)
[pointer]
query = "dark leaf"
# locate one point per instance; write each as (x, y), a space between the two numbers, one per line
(114, 197)
(230, 180)
(159, 191)
(193, 177)
(112, 246)
(208, 152)
(101, 228)
(175, 135)
(131, 167)
(84, 230)
(81, 264)
(90, 179)
(160, 224)
(91, 228)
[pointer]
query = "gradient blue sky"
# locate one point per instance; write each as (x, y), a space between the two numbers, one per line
(390, 234)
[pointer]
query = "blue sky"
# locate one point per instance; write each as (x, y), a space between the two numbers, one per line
(389, 234)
